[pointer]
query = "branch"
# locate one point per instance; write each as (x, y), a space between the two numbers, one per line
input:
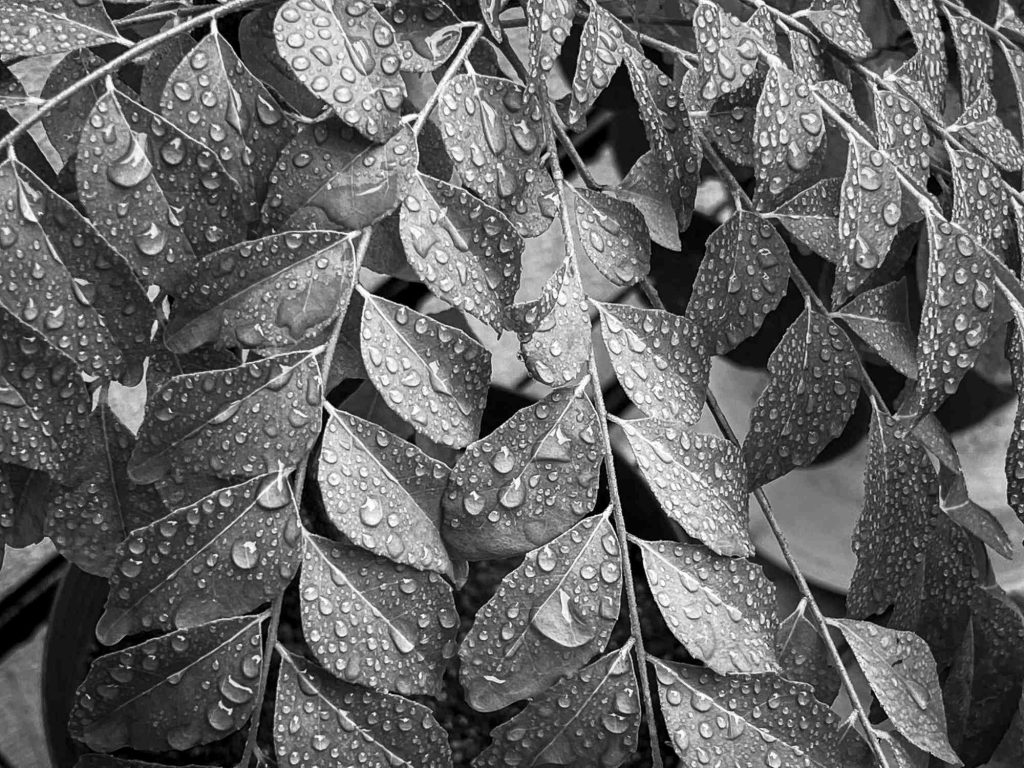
(460, 58)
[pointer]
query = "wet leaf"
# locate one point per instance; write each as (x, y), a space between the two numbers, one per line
(546, 619)
(432, 375)
(588, 718)
(159, 65)
(699, 480)
(722, 609)
(644, 188)
(981, 127)
(464, 250)
(427, 32)
(600, 54)
(251, 420)
(274, 292)
(743, 276)
(660, 359)
(548, 24)
(840, 23)
(383, 493)
(924, 75)
(812, 217)
(881, 319)
(36, 27)
(958, 506)
(25, 496)
(526, 482)
(175, 691)
(904, 137)
(803, 655)
(974, 56)
(1013, 467)
(495, 136)
(257, 47)
(901, 671)
(730, 118)
(727, 51)
(374, 622)
(613, 235)
(810, 396)
(226, 554)
(317, 715)
(64, 124)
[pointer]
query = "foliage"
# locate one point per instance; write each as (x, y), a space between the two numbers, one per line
(192, 230)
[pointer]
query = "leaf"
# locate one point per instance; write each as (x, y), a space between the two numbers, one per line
(175, 691)
(362, 45)
(96, 760)
(63, 124)
(722, 609)
(699, 480)
(811, 393)
(226, 554)
(329, 177)
(743, 276)
(812, 217)
(901, 672)
(613, 235)
(546, 619)
(1013, 467)
(464, 250)
(526, 482)
(495, 135)
(382, 493)
(548, 25)
(600, 54)
(277, 291)
(316, 715)
(840, 23)
(25, 496)
(727, 51)
(904, 137)
(590, 717)
(373, 622)
(958, 506)
(257, 418)
(644, 188)
(731, 117)
(803, 655)
(427, 32)
(159, 65)
(924, 75)
(974, 56)
(762, 719)
(554, 330)
(880, 317)
(983, 129)
(36, 27)
(660, 359)
(432, 375)
(956, 688)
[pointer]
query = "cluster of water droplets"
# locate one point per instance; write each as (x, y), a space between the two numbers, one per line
(728, 51)
(35, 29)
(789, 130)
(614, 236)
(600, 55)
(804, 657)
(427, 33)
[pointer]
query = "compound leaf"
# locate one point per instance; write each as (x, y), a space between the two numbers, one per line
(613, 235)
(803, 655)
(601, 43)
(881, 319)
(37, 27)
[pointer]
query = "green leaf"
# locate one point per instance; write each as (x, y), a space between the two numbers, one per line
(464, 250)
(356, 41)
(901, 671)
(812, 217)
(588, 718)
(554, 330)
(382, 493)
(226, 554)
(613, 235)
(839, 21)
(743, 276)
(316, 716)
(699, 480)
(722, 609)
(427, 32)
(546, 619)
(924, 75)
(251, 420)
(600, 54)
(644, 188)
(36, 27)
(432, 375)
(175, 691)
(374, 622)
(881, 319)
(495, 135)
(526, 482)
(278, 291)
(803, 655)
(811, 393)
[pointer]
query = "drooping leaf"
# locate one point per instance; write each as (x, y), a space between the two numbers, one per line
(588, 718)
(526, 482)
(159, 65)
(763, 719)
(901, 672)
(722, 609)
(803, 656)
(432, 375)
(278, 291)
(63, 124)
(840, 23)
(880, 317)
(251, 420)
(613, 235)
(548, 24)
(383, 493)
(464, 250)
(601, 43)
(699, 480)
(811, 394)
(374, 622)
(257, 47)
(36, 27)
(175, 691)
(316, 715)
(661, 360)
(546, 619)
(427, 32)
(495, 135)
(981, 127)
(957, 504)
(974, 56)
(727, 51)
(924, 75)
(812, 217)
(644, 188)
(226, 554)
(904, 137)
(743, 277)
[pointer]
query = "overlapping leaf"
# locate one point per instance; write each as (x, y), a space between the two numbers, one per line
(924, 74)
(64, 123)
(257, 47)
(721, 608)
(956, 503)
(526, 482)
(699, 480)
(35, 27)
(981, 205)
(432, 375)
(803, 655)
(374, 622)
(601, 43)
(1014, 465)
(228, 553)
(383, 493)
(427, 32)
(548, 24)
(25, 495)
(840, 23)
(175, 691)
(644, 188)
(546, 619)
(880, 317)
(812, 217)
(904, 137)
(981, 127)
(727, 51)
(974, 55)
(588, 718)
(244, 421)
(613, 235)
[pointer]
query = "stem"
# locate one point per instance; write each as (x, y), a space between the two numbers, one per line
(740, 197)
(453, 68)
(571, 151)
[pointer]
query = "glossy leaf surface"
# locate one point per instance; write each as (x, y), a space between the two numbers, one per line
(613, 235)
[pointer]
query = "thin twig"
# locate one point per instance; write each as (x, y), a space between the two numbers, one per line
(460, 58)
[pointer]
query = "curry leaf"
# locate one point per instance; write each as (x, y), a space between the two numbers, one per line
(613, 235)
(600, 55)
(812, 217)
(803, 656)
(924, 74)
(880, 317)
(34, 27)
